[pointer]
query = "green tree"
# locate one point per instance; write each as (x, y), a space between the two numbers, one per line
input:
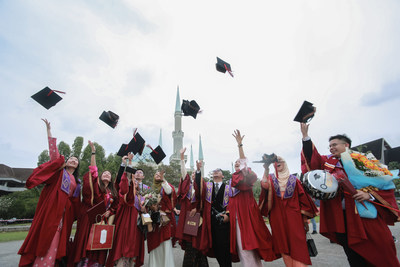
(64, 149)
(19, 204)
(394, 165)
(43, 157)
(172, 173)
(86, 156)
(77, 146)
(112, 164)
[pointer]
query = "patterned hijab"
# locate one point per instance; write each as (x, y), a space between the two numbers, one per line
(157, 183)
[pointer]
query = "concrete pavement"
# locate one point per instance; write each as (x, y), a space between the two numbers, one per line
(329, 255)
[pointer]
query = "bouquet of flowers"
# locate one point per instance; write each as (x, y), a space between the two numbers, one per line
(369, 164)
(151, 198)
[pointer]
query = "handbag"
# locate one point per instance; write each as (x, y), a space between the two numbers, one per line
(101, 237)
(312, 249)
(164, 218)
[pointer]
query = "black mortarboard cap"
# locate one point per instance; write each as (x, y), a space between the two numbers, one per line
(157, 154)
(110, 118)
(136, 145)
(223, 66)
(190, 108)
(306, 112)
(124, 150)
(47, 97)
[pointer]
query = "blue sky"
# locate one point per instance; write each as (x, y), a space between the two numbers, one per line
(130, 57)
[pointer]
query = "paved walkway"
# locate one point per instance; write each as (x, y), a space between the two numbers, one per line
(329, 255)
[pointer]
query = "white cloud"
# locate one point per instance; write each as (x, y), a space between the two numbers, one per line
(130, 56)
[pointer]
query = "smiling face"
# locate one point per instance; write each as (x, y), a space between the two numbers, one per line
(158, 177)
(139, 175)
(280, 165)
(72, 162)
(336, 147)
(217, 175)
(237, 165)
(106, 176)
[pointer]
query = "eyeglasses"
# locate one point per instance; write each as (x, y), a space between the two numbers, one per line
(335, 145)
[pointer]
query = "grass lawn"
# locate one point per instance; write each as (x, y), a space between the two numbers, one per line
(13, 236)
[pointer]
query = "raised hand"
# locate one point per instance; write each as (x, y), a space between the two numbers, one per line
(304, 129)
(47, 124)
(238, 136)
(182, 151)
(92, 146)
(48, 128)
(124, 160)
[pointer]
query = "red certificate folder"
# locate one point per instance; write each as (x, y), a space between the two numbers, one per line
(191, 224)
(95, 212)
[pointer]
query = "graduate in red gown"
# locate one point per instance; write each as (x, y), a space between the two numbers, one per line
(159, 241)
(128, 246)
(46, 242)
(94, 191)
(250, 237)
(366, 242)
(288, 207)
(190, 192)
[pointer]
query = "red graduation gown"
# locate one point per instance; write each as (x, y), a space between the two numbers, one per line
(255, 234)
(187, 205)
(128, 239)
(90, 191)
(54, 204)
(161, 234)
(285, 217)
(370, 238)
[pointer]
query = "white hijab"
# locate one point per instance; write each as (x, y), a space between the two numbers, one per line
(282, 176)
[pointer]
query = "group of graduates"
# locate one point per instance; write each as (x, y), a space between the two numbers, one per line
(232, 225)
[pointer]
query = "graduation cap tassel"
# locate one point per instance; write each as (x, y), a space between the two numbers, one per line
(230, 72)
(134, 133)
(152, 149)
(51, 91)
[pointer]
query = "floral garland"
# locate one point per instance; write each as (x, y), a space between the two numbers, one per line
(369, 164)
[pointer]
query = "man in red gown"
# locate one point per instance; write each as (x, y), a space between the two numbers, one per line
(366, 242)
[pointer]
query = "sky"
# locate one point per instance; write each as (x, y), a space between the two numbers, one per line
(131, 56)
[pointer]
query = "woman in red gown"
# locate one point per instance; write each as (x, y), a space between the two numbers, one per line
(46, 242)
(128, 246)
(288, 207)
(250, 239)
(94, 191)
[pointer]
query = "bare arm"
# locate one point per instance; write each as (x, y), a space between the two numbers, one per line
(93, 157)
(53, 150)
(48, 128)
(183, 168)
(239, 140)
